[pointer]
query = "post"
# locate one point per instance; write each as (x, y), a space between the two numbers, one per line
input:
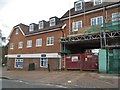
(48, 67)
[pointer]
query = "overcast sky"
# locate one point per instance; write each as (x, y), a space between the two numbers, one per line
(13, 12)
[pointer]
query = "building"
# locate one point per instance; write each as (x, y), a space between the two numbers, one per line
(91, 25)
(35, 47)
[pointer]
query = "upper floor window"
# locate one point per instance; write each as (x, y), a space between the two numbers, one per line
(52, 21)
(11, 46)
(50, 41)
(20, 45)
(115, 18)
(78, 5)
(41, 25)
(38, 42)
(97, 2)
(29, 43)
(97, 21)
(31, 27)
(76, 25)
(17, 30)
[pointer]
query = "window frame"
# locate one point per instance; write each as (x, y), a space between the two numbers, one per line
(76, 5)
(52, 22)
(31, 27)
(96, 20)
(18, 60)
(41, 25)
(20, 44)
(29, 43)
(115, 18)
(97, 1)
(38, 44)
(75, 25)
(51, 40)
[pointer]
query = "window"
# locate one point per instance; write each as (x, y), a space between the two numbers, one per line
(11, 46)
(50, 41)
(29, 43)
(20, 45)
(38, 42)
(97, 2)
(17, 30)
(74, 58)
(78, 5)
(31, 27)
(76, 25)
(115, 18)
(18, 63)
(52, 22)
(41, 25)
(43, 61)
(97, 21)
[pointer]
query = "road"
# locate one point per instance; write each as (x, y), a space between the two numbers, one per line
(7, 83)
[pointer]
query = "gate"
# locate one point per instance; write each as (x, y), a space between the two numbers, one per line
(114, 61)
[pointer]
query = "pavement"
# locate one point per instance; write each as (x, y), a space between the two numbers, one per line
(65, 79)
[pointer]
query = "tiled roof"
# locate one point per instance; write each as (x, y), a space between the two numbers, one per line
(88, 7)
(25, 28)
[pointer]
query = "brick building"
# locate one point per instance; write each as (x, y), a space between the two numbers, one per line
(35, 46)
(88, 25)
(91, 25)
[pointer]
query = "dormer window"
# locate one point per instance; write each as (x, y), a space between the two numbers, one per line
(78, 5)
(41, 25)
(97, 2)
(31, 27)
(52, 21)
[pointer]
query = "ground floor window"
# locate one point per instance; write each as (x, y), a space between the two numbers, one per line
(18, 63)
(44, 61)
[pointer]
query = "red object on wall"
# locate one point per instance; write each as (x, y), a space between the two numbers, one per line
(82, 61)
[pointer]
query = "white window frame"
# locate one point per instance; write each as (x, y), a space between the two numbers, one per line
(29, 43)
(96, 20)
(115, 18)
(16, 31)
(20, 45)
(77, 7)
(31, 27)
(11, 45)
(97, 3)
(76, 25)
(39, 42)
(44, 59)
(52, 22)
(18, 60)
(41, 25)
(50, 41)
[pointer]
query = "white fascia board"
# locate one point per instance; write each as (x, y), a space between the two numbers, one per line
(90, 12)
(48, 55)
(14, 29)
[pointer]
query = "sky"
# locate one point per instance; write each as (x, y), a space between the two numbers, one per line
(13, 12)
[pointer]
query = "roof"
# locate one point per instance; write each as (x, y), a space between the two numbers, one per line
(88, 7)
(25, 28)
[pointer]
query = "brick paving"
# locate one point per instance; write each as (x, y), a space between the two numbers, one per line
(79, 79)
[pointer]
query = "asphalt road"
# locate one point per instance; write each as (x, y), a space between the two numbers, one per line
(6, 83)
